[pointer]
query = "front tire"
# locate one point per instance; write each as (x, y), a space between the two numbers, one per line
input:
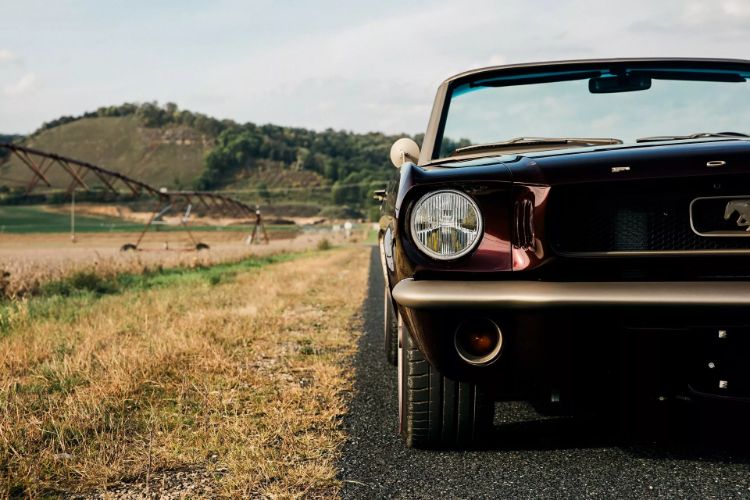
(390, 328)
(436, 411)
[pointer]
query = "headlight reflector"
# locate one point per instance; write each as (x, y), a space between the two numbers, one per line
(446, 224)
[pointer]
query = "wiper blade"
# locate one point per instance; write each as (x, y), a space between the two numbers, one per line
(539, 141)
(698, 135)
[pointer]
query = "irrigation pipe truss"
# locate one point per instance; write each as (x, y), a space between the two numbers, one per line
(41, 163)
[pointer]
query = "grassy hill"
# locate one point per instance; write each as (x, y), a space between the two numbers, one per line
(170, 156)
(279, 167)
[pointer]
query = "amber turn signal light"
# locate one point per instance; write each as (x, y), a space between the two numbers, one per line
(478, 341)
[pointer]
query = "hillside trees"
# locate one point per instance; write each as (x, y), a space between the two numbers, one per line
(9, 138)
(354, 164)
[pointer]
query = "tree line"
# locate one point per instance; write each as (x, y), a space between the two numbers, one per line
(8, 138)
(150, 114)
(354, 164)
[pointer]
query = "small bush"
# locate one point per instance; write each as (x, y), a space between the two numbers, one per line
(339, 212)
(324, 244)
(220, 276)
(81, 281)
(4, 283)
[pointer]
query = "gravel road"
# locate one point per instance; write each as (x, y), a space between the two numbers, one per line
(529, 455)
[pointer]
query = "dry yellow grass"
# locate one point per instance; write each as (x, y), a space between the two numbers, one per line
(241, 381)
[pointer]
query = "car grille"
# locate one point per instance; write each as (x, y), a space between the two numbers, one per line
(636, 216)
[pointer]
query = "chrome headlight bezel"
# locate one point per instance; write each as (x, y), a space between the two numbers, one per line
(429, 252)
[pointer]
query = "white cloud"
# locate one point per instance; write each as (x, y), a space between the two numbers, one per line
(715, 21)
(735, 8)
(359, 67)
(383, 72)
(701, 12)
(27, 83)
(7, 56)
(497, 60)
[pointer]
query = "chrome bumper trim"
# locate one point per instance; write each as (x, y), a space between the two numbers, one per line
(429, 294)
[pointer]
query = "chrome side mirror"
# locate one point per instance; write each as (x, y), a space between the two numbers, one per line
(404, 150)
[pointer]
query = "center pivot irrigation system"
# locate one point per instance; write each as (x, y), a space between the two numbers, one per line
(42, 163)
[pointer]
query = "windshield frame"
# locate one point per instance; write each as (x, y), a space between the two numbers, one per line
(430, 151)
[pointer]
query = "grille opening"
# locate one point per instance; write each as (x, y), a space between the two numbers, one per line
(636, 216)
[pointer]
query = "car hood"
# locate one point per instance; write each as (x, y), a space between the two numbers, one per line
(619, 162)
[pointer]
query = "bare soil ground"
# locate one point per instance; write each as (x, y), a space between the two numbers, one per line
(128, 214)
(34, 259)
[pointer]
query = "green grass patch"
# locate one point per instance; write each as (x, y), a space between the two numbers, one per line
(33, 219)
(86, 282)
(66, 299)
(372, 237)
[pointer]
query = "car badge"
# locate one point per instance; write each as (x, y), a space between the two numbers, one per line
(617, 170)
(742, 209)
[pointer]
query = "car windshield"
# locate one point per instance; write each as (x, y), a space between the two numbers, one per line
(624, 103)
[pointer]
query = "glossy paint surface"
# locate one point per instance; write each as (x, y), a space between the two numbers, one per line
(516, 244)
(497, 183)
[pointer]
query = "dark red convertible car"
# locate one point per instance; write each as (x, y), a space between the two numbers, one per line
(575, 234)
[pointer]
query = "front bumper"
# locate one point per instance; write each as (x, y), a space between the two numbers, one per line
(429, 294)
(661, 337)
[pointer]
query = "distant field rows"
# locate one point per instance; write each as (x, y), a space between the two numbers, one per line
(28, 261)
(34, 219)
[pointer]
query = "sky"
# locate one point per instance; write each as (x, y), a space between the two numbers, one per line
(360, 66)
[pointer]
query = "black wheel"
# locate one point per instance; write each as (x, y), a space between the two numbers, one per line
(202, 246)
(436, 411)
(390, 328)
(127, 247)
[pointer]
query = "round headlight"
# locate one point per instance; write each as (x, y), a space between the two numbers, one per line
(446, 224)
